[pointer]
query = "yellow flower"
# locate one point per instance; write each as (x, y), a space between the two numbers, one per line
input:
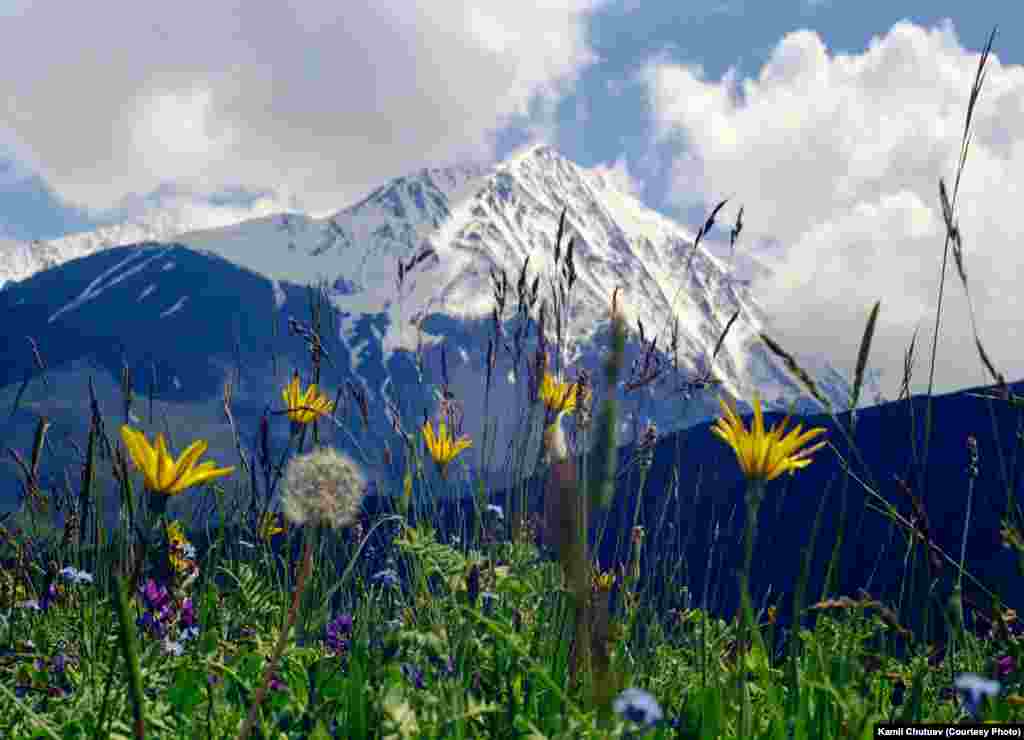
(269, 526)
(305, 407)
(175, 534)
(443, 448)
(162, 473)
(603, 582)
(765, 455)
(560, 397)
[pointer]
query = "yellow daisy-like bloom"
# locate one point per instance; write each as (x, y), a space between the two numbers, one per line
(560, 397)
(765, 455)
(305, 407)
(443, 448)
(162, 472)
(269, 526)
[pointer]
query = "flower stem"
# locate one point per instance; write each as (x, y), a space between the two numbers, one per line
(307, 565)
(755, 492)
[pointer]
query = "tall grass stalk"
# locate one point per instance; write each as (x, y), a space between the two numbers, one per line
(393, 628)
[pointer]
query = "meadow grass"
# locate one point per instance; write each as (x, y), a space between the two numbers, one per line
(297, 617)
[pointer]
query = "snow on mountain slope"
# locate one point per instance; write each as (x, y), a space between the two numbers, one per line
(461, 223)
(214, 306)
(19, 260)
(470, 221)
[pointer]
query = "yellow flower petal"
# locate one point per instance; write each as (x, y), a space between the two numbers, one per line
(161, 472)
(765, 454)
(138, 448)
(188, 459)
(302, 407)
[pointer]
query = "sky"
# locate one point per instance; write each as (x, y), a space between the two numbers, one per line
(829, 122)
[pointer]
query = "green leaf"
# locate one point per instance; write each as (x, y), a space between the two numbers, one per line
(186, 691)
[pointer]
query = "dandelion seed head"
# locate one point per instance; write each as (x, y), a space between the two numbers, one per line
(323, 486)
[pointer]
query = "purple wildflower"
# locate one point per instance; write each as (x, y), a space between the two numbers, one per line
(1005, 666)
(337, 633)
(151, 624)
(187, 618)
(50, 595)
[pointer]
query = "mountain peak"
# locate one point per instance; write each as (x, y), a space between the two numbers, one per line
(426, 245)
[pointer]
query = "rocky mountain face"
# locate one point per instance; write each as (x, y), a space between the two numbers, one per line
(412, 276)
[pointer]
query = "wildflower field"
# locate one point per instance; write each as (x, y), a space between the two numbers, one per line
(303, 611)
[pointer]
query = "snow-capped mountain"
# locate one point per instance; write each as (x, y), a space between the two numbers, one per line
(468, 222)
(160, 216)
(187, 315)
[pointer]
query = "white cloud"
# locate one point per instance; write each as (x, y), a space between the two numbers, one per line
(182, 209)
(838, 158)
(323, 98)
(173, 135)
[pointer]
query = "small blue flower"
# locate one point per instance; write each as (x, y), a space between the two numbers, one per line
(973, 688)
(173, 648)
(637, 706)
(189, 633)
(75, 576)
(496, 510)
(388, 577)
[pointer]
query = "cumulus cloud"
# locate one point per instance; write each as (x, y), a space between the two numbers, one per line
(176, 209)
(837, 159)
(320, 98)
